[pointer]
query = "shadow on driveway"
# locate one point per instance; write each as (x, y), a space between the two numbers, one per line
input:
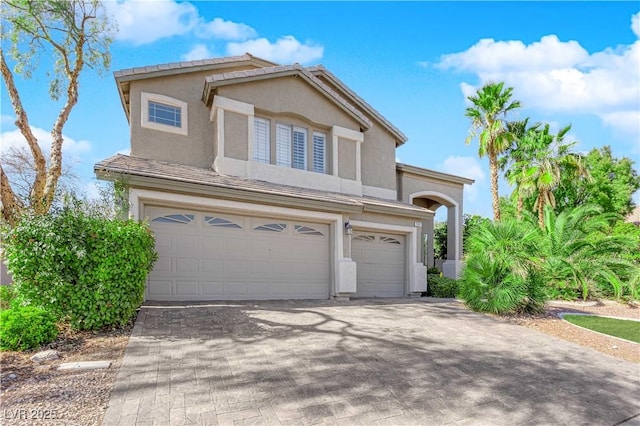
(369, 361)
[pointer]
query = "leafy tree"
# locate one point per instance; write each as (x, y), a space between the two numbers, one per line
(73, 34)
(491, 104)
(469, 223)
(612, 185)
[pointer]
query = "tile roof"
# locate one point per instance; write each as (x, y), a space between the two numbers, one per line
(228, 77)
(320, 69)
(187, 64)
(135, 166)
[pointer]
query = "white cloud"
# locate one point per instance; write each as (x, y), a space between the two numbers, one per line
(226, 30)
(70, 148)
(7, 120)
(285, 50)
(141, 22)
(468, 167)
(199, 51)
(635, 24)
(557, 76)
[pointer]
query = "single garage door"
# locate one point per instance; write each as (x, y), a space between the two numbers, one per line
(380, 260)
(219, 256)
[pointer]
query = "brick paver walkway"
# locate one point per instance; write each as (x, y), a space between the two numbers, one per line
(371, 362)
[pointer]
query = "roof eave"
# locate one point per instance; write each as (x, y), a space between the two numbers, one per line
(401, 138)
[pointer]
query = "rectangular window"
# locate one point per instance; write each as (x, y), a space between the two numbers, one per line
(299, 160)
(319, 152)
(261, 143)
(283, 145)
(165, 114)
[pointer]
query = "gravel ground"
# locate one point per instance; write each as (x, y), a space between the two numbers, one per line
(32, 394)
(39, 394)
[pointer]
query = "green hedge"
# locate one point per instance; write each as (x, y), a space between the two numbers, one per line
(439, 286)
(26, 327)
(87, 269)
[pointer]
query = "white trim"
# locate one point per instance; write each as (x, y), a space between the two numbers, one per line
(359, 161)
(334, 152)
(457, 214)
(139, 197)
(343, 132)
(232, 105)
(162, 99)
(413, 267)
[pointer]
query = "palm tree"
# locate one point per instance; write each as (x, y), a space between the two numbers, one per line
(517, 159)
(491, 104)
(550, 157)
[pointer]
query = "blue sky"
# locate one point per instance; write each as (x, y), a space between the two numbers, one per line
(569, 63)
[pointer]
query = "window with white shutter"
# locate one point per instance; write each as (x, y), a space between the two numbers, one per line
(261, 143)
(319, 152)
(299, 148)
(283, 145)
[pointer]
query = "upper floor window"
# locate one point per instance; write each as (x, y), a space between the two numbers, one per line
(292, 146)
(261, 144)
(319, 152)
(164, 113)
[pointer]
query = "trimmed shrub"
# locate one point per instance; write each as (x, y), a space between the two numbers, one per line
(439, 286)
(433, 271)
(84, 268)
(26, 327)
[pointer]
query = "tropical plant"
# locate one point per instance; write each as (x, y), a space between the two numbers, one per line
(491, 104)
(517, 157)
(546, 159)
(73, 34)
(579, 253)
(501, 269)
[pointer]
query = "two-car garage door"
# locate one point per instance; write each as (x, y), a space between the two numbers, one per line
(219, 256)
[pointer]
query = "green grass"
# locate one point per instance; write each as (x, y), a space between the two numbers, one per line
(624, 329)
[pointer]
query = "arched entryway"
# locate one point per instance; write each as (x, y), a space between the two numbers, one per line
(433, 200)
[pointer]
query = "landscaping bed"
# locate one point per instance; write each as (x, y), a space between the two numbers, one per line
(32, 393)
(551, 323)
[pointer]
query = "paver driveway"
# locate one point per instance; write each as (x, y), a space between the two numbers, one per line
(393, 361)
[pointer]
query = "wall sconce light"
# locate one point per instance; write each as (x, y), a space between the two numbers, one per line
(348, 229)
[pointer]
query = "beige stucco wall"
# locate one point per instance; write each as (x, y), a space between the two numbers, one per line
(346, 159)
(292, 96)
(195, 149)
(379, 159)
(236, 131)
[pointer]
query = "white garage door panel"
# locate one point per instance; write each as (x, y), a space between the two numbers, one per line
(216, 256)
(380, 262)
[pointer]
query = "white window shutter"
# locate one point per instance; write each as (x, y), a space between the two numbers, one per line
(261, 151)
(283, 145)
(299, 148)
(319, 152)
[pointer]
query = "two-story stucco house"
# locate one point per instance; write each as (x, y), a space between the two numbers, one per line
(263, 181)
